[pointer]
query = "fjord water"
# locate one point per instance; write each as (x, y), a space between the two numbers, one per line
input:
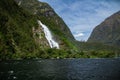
(61, 69)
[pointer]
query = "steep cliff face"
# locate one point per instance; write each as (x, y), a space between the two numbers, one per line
(21, 33)
(47, 16)
(107, 32)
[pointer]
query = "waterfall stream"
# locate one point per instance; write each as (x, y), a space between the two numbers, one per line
(19, 3)
(48, 35)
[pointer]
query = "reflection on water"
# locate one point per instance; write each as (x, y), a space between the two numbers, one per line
(62, 69)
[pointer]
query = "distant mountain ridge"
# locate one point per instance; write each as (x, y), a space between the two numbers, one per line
(108, 32)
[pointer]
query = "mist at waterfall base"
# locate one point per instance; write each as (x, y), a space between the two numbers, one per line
(48, 35)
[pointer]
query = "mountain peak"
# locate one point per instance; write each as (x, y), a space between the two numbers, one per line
(36, 7)
(108, 31)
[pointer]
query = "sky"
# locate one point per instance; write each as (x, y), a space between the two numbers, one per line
(82, 16)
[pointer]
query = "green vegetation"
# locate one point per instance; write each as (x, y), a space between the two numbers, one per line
(98, 50)
(17, 40)
(60, 54)
(48, 17)
(88, 46)
(67, 41)
(16, 29)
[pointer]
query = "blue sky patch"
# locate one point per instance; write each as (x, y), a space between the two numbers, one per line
(82, 16)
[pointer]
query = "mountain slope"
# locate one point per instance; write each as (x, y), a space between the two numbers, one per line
(15, 35)
(108, 32)
(47, 16)
(21, 36)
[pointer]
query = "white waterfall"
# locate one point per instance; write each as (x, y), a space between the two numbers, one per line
(19, 3)
(48, 35)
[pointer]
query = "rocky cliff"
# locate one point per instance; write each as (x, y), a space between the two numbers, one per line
(47, 15)
(108, 32)
(22, 35)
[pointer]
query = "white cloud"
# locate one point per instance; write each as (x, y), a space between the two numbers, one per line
(79, 35)
(84, 15)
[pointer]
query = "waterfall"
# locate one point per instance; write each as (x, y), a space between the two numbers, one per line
(48, 35)
(19, 3)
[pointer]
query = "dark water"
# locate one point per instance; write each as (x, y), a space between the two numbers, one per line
(63, 69)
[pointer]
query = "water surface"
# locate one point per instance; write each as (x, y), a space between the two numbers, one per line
(61, 69)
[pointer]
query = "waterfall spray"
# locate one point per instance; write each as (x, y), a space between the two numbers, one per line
(48, 35)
